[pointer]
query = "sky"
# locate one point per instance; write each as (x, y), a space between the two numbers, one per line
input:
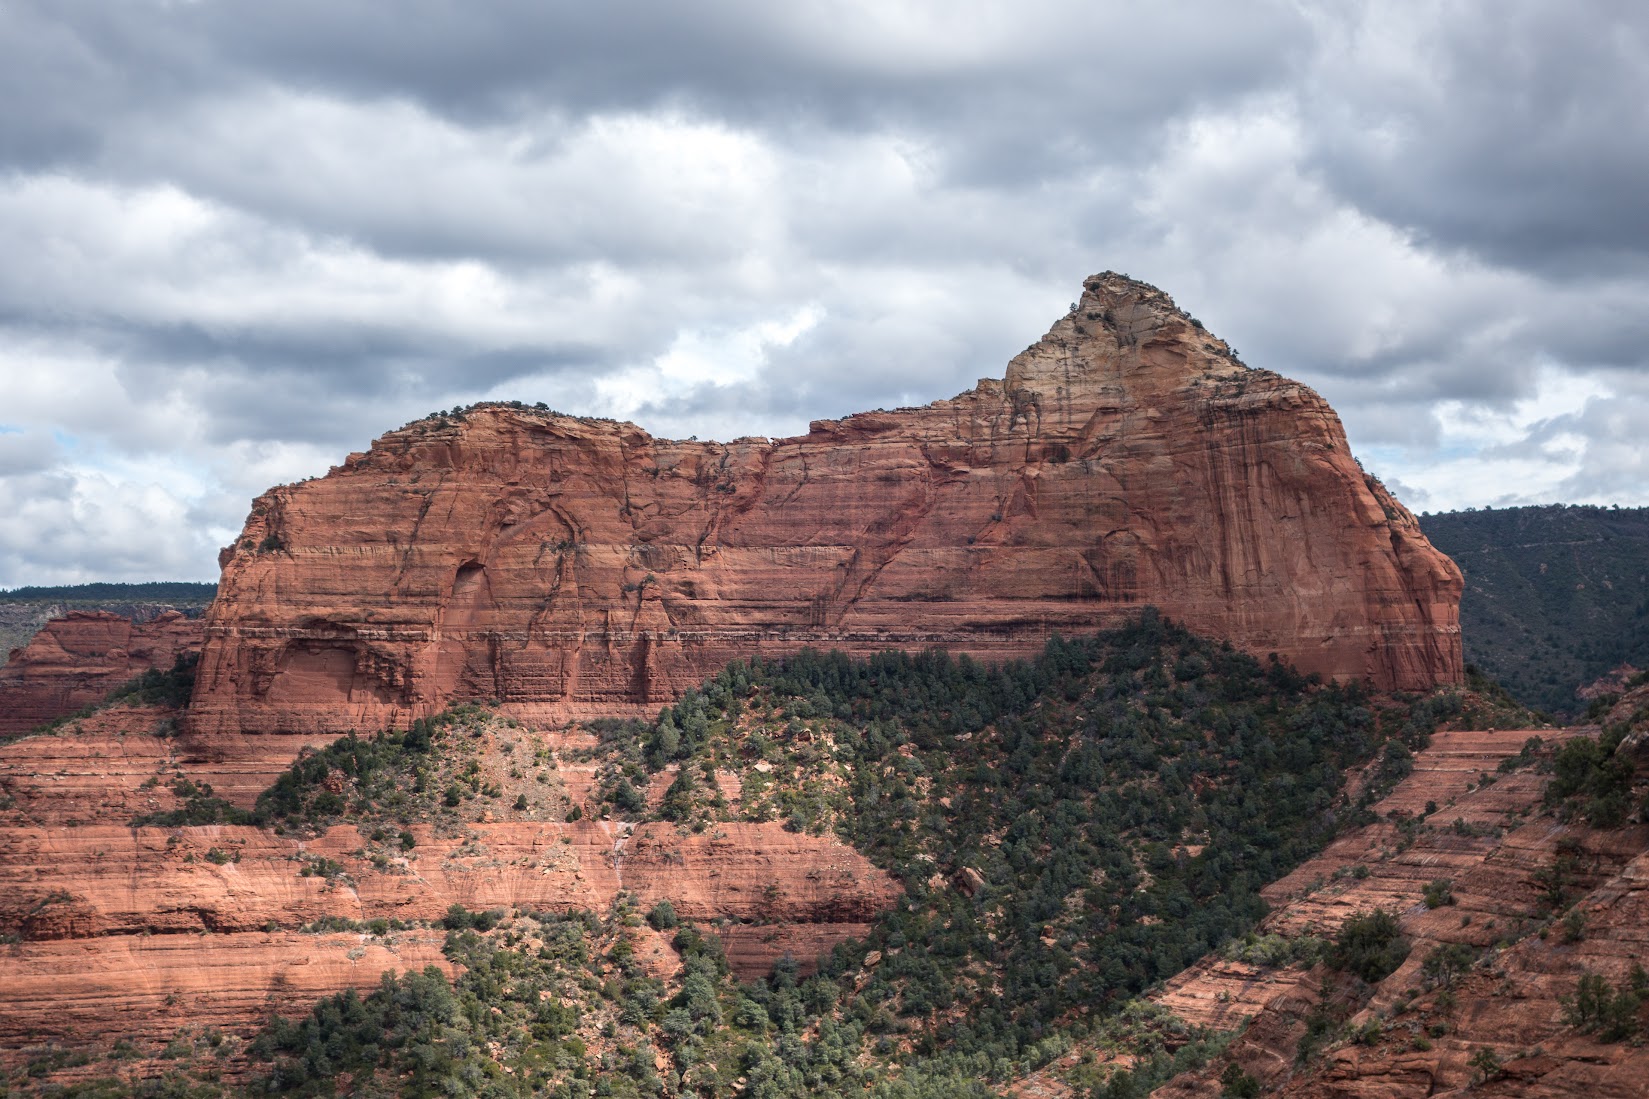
(239, 240)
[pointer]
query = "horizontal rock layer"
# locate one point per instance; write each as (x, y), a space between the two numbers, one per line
(1498, 861)
(572, 566)
(76, 660)
(118, 931)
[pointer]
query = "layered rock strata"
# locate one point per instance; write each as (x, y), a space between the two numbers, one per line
(573, 566)
(115, 931)
(1501, 866)
(76, 660)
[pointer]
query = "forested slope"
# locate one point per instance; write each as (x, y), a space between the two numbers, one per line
(1067, 832)
(1555, 596)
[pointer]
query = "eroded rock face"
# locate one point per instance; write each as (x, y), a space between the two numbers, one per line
(121, 931)
(1502, 864)
(569, 566)
(76, 660)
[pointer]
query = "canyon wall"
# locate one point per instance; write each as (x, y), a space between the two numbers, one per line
(112, 930)
(575, 566)
(76, 660)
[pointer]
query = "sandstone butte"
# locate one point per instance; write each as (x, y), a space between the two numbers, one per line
(570, 567)
(574, 567)
(76, 660)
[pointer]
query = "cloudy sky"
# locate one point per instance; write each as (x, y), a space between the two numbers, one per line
(240, 239)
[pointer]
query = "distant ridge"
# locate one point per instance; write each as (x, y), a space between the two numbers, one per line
(153, 591)
(1556, 595)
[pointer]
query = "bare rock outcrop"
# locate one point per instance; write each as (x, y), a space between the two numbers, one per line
(76, 660)
(574, 566)
(115, 931)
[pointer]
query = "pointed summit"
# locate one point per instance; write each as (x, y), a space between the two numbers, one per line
(578, 566)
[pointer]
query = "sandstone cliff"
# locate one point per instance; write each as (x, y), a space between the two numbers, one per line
(575, 566)
(115, 931)
(76, 660)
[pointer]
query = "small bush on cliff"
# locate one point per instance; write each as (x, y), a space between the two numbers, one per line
(1237, 1084)
(171, 688)
(1609, 1013)
(459, 918)
(1370, 946)
(1591, 780)
(1438, 892)
(200, 806)
(1446, 964)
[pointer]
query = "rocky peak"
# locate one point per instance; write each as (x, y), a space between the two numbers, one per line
(580, 566)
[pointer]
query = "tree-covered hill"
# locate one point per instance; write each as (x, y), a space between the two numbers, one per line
(156, 591)
(1067, 831)
(1555, 596)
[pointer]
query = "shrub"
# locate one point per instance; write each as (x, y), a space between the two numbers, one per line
(1439, 892)
(1444, 965)
(1609, 1013)
(1237, 1084)
(1370, 946)
(662, 916)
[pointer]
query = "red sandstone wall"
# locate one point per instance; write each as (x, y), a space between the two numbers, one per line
(573, 566)
(78, 659)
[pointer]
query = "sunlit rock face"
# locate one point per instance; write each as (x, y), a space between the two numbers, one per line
(575, 566)
(76, 660)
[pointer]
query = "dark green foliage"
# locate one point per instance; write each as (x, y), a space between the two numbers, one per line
(159, 591)
(381, 925)
(459, 918)
(373, 769)
(1445, 964)
(380, 777)
(1275, 950)
(626, 798)
(1556, 879)
(1438, 892)
(156, 688)
(1609, 1013)
(1592, 780)
(1237, 1084)
(1555, 596)
(1068, 781)
(412, 1020)
(1370, 946)
(506, 1027)
(1486, 1064)
(1084, 765)
(1396, 764)
(387, 776)
(200, 806)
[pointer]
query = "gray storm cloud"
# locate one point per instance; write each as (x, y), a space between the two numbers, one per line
(238, 240)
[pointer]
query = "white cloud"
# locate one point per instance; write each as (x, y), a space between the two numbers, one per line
(237, 243)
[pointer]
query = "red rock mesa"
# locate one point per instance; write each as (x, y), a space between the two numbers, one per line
(575, 566)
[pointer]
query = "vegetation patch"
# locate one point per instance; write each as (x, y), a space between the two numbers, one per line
(1068, 831)
(1556, 596)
